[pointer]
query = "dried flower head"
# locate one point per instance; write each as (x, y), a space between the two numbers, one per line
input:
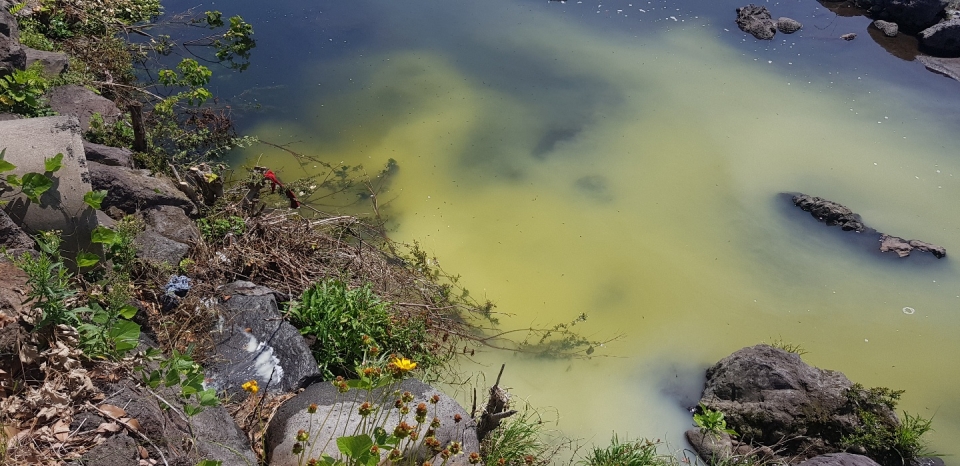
(474, 458)
(395, 455)
(312, 408)
(406, 397)
(435, 399)
(435, 424)
(457, 418)
(455, 448)
(297, 448)
(302, 435)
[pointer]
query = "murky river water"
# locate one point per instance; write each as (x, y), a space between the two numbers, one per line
(625, 160)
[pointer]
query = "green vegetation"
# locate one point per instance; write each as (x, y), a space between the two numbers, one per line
(179, 369)
(214, 230)
(342, 320)
(711, 422)
(519, 440)
(49, 282)
(21, 92)
(788, 347)
(883, 438)
(631, 453)
(117, 134)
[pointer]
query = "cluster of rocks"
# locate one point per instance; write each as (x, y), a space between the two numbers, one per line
(756, 20)
(834, 214)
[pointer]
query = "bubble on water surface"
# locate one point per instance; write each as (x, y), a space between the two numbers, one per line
(909, 310)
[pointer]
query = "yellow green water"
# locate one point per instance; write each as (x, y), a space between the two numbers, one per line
(657, 212)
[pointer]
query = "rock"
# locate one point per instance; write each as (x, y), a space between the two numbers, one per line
(106, 155)
(927, 461)
(10, 116)
(839, 459)
(903, 247)
(54, 63)
(829, 212)
(12, 55)
(849, 36)
(117, 449)
(82, 103)
(168, 236)
(911, 16)
(711, 448)
(131, 190)
(942, 39)
(756, 20)
(949, 67)
(11, 236)
(889, 29)
(254, 342)
(292, 416)
(211, 434)
(768, 394)
(27, 143)
(788, 25)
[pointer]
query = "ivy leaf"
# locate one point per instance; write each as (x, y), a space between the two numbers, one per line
(4, 165)
(14, 180)
(103, 235)
(35, 184)
(127, 311)
(53, 164)
(87, 259)
(95, 198)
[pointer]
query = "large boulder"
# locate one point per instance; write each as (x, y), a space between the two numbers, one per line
(340, 412)
(82, 103)
(903, 247)
(756, 20)
(130, 190)
(769, 395)
(839, 459)
(255, 342)
(27, 143)
(11, 235)
(168, 236)
(829, 212)
(911, 15)
(942, 39)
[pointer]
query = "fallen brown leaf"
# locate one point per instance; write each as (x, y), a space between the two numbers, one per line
(112, 410)
(143, 452)
(108, 427)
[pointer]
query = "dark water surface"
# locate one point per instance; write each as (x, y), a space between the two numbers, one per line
(626, 159)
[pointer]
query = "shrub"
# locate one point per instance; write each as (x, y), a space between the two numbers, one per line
(343, 320)
(887, 442)
(21, 92)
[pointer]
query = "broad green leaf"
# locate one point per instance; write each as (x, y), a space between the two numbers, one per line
(208, 397)
(103, 235)
(192, 410)
(355, 446)
(171, 378)
(14, 180)
(154, 380)
(87, 259)
(127, 311)
(125, 335)
(4, 165)
(35, 184)
(95, 198)
(53, 164)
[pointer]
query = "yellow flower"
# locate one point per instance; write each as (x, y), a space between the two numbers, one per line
(404, 364)
(250, 386)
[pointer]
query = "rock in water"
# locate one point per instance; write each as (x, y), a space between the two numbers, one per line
(903, 247)
(911, 15)
(839, 459)
(788, 25)
(942, 39)
(830, 212)
(849, 36)
(889, 29)
(756, 20)
(949, 67)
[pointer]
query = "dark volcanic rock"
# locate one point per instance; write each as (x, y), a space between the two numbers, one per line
(942, 39)
(11, 236)
(757, 21)
(829, 212)
(82, 103)
(12, 55)
(53, 63)
(911, 15)
(889, 29)
(768, 394)
(131, 190)
(839, 459)
(903, 247)
(106, 155)
(788, 25)
(254, 342)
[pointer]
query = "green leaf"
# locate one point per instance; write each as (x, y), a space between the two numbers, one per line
(208, 397)
(95, 198)
(103, 235)
(209, 463)
(14, 180)
(355, 446)
(154, 380)
(127, 311)
(87, 259)
(125, 335)
(171, 378)
(53, 164)
(192, 410)
(35, 184)
(4, 165)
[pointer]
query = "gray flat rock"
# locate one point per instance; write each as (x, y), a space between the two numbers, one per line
(82, 103)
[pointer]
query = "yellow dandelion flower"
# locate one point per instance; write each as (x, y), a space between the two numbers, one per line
(250, 386)
(404, 364)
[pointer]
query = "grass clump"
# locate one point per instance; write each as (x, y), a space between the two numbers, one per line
(640, 452)
(883, 438)
(342, 321)
(519, 440)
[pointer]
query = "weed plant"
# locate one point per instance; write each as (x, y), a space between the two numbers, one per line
(885, 440)
(639, 452)
(519, 440)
